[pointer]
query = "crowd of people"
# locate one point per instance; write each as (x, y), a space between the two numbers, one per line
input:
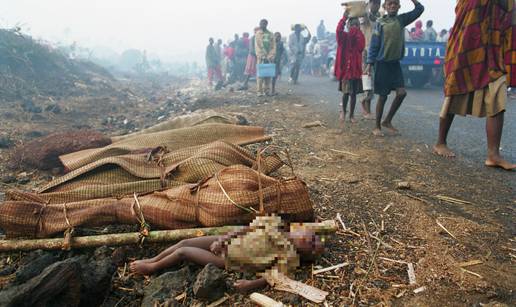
(300, 52)
(368, 53)
(417, 34)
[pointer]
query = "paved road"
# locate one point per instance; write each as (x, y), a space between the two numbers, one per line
(418, 119)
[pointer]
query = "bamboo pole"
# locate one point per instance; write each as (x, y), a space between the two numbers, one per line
(120, 239)
(113, 239)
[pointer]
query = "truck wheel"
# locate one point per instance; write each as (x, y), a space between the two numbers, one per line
(419, 80)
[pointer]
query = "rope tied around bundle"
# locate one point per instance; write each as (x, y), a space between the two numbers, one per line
(68, 234)
(144, 227)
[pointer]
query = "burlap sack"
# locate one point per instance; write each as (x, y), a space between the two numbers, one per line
(171, 139)
(189, 120)
(141, 173)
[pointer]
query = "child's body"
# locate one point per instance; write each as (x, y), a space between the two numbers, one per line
(260, 247)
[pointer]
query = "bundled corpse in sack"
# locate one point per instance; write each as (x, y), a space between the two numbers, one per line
(160, 169)
(230, 197)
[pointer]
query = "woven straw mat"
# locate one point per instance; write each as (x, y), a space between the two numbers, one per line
(190, 120)
(124, 175)
(171, 139)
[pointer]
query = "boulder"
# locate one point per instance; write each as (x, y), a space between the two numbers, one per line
(210, 284)
(166, 287)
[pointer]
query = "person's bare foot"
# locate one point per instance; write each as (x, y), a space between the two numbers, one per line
(142, 268)
(390, 128)
(377, 132)
(353, 120)
(369, 116)
(443, 151)
(499, 162)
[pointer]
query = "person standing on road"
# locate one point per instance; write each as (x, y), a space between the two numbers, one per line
(297, 46)
(348, 67)
(265, 47)
(386, 50)
(321, 31)
(250, 67)
(213, 63)
(281, 55)
(481, 44)
(367, 25)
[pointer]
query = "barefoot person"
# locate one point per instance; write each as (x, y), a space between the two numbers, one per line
(348, 68)
(258, 248)
(476, 73)
(386, 50)
(367, 25)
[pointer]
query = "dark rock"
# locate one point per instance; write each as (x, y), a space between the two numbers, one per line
(165, 287)
(24, 180)
(8, 270)
(103, 253)
(37, 117)
(8, 179)
(292, 299)
(119, 255)
(242, 120)
(54, 108)
(97, 278)
(6, 142)
(210, 284)
(58, 285)
(35, 263)
(29, 106)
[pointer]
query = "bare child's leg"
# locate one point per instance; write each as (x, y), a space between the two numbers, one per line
(191, 254)
(401, 93)
(441, 148)
(345, 99)
(352, 108)
(379, 114)
(366, 105)
(201, 242)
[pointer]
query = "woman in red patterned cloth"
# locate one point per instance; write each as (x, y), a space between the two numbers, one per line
(348, 66)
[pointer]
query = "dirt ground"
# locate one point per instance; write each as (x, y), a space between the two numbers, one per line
(400, 205)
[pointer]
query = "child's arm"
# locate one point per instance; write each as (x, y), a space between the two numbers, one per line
(248, 285)
(411, 16)
(374, 48)
(340, 29)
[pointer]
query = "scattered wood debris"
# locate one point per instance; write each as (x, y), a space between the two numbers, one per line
(344, 152)
(328, 269)
(446, 230)
(264, 300)
(470, 263)
(453, 200)
(411, 274)
(313, 124)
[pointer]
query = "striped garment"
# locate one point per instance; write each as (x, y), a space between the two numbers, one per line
(481, 46)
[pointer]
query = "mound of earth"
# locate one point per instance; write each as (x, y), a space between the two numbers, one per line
(29, 68)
